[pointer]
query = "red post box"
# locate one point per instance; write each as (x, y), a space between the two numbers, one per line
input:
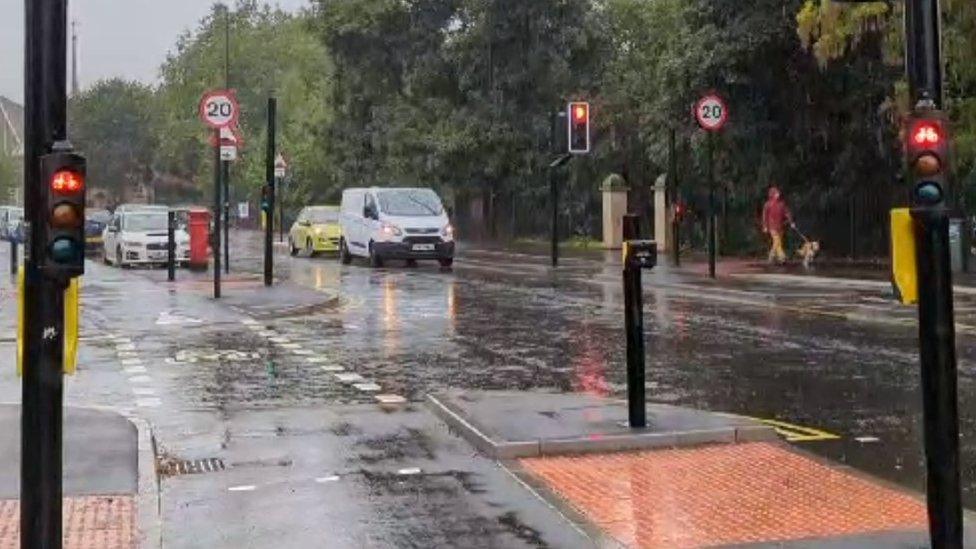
(199, 226)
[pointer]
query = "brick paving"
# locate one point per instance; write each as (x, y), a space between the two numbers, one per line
(91, 522)
(724, 494)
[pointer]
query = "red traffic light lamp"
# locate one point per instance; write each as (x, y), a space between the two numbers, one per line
(927, 151)
(63, 227)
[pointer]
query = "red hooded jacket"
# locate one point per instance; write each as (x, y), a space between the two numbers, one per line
(776, 214)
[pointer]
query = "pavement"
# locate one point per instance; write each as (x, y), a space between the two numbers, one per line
(101, 479)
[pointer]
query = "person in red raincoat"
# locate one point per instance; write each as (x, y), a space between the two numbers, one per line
(776, 217)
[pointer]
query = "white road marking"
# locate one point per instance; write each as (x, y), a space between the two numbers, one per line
(267, 333)
(144, 391)
(243, 488)
(140, 379)
(279, 339)
(148, 402)
(302, 352)
(290, 346)
(255, 328)
(410, 471)
(317, 359)
(333, 369)
(865, 440)
(368, 387)
(133, 370)
(391, 399)
(127, 354)
(349, 378)
(125, 347)
(131, 361)
(323, 480)
(249, 321)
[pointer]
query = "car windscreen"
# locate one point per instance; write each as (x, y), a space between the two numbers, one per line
(410, 202)
(323, 216)
(146, 222)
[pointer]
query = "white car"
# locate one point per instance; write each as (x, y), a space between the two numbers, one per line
(137, 235)
(394, 223)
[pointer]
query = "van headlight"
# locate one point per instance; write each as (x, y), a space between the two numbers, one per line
(448, 232)
(391, 230)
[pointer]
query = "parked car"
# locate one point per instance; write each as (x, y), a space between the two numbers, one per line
(395, 223)
(316, 229)
(95, 223)
(12, 223)
(137, 235)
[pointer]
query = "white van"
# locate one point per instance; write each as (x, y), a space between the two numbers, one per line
(394, 223)
(137, 235)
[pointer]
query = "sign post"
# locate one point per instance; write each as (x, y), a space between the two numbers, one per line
(712, 113)
(280, 170)
(219, 110)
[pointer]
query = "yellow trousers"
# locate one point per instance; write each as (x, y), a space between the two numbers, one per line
(776, 251)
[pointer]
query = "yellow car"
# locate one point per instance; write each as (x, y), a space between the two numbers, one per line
(315, 230)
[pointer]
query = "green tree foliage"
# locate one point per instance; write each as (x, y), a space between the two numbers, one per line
(11, 169)
(113, 123)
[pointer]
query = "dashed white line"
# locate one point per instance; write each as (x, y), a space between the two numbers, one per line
(349, 378)
(323, 480)
(135, 370)
(391, 399)
(148, 402)
(333, 369)
(127, 354)
(865, 440)
(144, 391)
(140, 379)
(243, 488)
(125, 347)
(279, 339)
(410, 471)
(302, 352)
(131, 361)
(368, 387)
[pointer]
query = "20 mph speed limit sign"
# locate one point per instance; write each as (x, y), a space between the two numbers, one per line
(711, 113)
(218, 109)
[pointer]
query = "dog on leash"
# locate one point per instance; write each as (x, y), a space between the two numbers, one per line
(808, 252)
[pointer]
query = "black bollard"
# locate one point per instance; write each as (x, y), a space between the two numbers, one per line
(634, 326)
(13, 257)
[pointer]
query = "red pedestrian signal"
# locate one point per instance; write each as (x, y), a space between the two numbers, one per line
(927, 150)
(63, 228)
(579, 127)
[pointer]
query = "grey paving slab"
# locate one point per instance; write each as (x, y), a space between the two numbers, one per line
(101, 452)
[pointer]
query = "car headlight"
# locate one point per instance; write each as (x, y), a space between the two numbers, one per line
(391, 230)
(447, 231)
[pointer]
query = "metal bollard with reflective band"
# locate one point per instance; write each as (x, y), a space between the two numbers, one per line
(637, 255)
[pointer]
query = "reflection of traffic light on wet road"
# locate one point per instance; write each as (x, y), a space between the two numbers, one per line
(63, 230)
(927, 148)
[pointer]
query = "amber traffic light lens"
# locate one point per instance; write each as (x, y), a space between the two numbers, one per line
(928, 165)
(65, 216)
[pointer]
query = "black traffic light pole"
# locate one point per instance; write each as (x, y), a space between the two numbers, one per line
(216, 236)
(937, 346)
(43, 386)
(269, 179)
(634, 327)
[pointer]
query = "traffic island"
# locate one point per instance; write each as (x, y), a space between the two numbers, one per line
(103, 493)
(511, 425)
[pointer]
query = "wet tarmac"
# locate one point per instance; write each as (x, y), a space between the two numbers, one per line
(263, 380)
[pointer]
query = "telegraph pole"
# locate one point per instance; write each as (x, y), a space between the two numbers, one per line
(45, 124)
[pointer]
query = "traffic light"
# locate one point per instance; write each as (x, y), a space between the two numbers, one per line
(63, 228)
(927, 147)
(266, 198)
(579, 127)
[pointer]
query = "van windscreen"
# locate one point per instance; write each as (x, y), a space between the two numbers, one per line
(410, 202)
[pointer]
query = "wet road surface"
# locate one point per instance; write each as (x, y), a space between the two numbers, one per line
(286, 387)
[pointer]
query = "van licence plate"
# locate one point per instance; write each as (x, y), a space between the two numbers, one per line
(423, 247)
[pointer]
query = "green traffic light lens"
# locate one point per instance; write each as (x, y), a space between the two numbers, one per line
(65, 250)
(928, 193)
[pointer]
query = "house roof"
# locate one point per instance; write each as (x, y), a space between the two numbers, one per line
(11, 127)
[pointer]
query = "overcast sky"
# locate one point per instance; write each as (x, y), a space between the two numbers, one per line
(127, 38)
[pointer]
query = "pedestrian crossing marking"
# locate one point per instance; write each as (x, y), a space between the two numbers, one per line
(797, 433)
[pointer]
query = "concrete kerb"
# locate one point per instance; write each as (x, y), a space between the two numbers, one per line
(148, 500)
(478, 437)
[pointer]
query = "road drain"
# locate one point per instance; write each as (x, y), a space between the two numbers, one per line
(170, 467)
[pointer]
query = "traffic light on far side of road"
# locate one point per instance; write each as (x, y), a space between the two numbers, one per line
(63, 226)
(266, 198)
(578, 119)
(927, 149)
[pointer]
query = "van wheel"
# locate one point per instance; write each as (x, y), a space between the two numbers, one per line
(344, 256)
(291, 247)
(309, 249)
(375, 261)
(446, 262)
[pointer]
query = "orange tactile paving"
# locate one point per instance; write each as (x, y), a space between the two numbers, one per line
(724, 494)
(93, 522)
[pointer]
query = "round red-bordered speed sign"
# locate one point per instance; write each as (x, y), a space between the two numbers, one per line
(219, 109)
(711, 112)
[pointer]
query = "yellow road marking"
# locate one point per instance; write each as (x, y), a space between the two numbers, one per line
(797, 433)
